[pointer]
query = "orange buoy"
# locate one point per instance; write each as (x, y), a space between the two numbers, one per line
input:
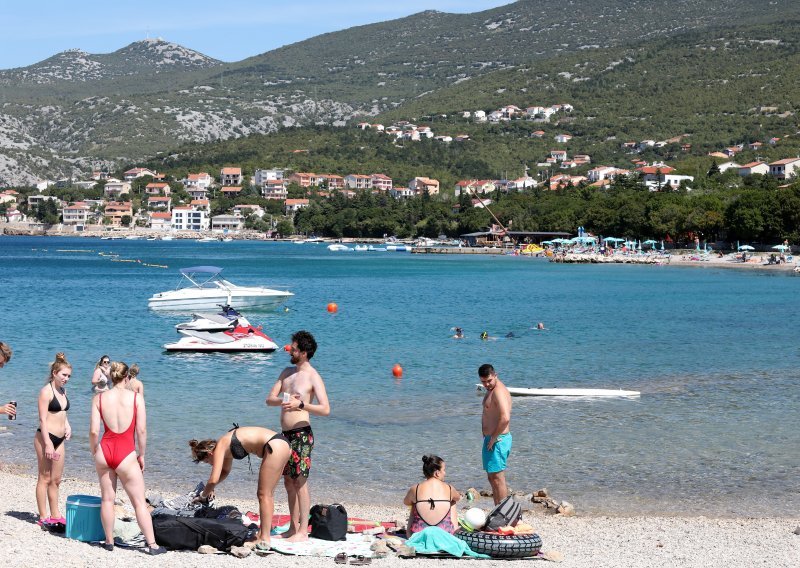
(397, 370)
(333, 308)
(287, 347)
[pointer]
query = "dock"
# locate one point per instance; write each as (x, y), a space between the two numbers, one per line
(458, 250)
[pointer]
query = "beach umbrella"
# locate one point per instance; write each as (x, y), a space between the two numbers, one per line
(650, 242)
(662, 244)
(746, 247)
(781, 248)
(547, 242)
(613, 239)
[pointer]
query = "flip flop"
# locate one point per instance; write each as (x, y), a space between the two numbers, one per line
(262, 546)
(361, 560)
(340, 558)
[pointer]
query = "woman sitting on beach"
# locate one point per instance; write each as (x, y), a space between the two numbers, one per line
(271, 447)
(53, 431)
(433, 501)
(134, 384)
(122, 413)
(101, 375)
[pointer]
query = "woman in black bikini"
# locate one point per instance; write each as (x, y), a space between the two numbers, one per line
(432, 502)
(54, 430)
(239, 443)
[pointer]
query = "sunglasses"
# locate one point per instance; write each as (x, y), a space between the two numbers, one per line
(105, 362)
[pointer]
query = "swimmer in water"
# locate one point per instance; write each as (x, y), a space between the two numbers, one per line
(459, 334)
(540, 325)
(484, 335)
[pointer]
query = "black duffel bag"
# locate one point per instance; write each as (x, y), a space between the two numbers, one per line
(190, 533)
(328, 522)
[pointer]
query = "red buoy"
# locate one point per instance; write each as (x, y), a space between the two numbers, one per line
(333, 308)
(397, 370)
(287, 347)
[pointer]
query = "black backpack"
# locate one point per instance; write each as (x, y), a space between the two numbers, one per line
(328, 522)
(507, 513)
(190, 533)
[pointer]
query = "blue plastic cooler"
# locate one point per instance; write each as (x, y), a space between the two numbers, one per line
(83, 518)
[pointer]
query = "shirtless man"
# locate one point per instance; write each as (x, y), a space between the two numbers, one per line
(295, 391)
(496, 436)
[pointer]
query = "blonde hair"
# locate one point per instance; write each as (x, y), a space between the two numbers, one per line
(59, 363)
(119, 372)
(134, 371)
(201, 449)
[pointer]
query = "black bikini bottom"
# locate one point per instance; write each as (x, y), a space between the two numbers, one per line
(56, 440)
(268, 448)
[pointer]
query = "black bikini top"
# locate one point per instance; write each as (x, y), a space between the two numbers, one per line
(55, 404)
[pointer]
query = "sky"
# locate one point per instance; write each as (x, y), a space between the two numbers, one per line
(230, 30)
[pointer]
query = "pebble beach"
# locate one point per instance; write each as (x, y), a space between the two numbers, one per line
(583, 542)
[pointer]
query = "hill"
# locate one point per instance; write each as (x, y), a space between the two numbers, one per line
(76, 110)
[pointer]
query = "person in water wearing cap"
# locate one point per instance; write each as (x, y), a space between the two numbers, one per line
(459, 334)
(484, 335)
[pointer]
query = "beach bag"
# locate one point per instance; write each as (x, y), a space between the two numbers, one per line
(328, 522)
(190, 533)
(507, 513)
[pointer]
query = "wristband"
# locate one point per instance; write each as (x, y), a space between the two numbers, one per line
(302, 405)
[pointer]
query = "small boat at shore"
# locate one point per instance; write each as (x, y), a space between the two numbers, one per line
(203, 288)
(339, 247)
(572, 392)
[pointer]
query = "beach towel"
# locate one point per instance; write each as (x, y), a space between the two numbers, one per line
(431, 540)
(355, 545)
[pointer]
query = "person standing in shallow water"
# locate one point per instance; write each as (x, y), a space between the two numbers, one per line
(295, 392)
(495, 422)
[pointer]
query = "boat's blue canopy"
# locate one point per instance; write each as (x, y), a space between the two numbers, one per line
(201, 269)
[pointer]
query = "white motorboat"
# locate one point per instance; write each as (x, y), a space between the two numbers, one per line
(339, 247)
(360, 248)
(203, 288)
(227, 319)
(513, 391)
(166, 237)
(207, 240)
(239, 339)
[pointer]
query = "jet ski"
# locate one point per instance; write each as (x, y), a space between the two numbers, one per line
(240, 338)
(227, 319)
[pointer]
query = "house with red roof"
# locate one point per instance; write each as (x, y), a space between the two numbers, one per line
(784, 169)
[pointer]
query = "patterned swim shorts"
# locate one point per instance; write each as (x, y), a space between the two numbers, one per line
(301, 441)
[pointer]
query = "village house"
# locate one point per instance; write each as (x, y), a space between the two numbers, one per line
(479, 116)
(461, 138)
(230, 177)
(262, 177)
(198, 193)
(562, 138)
(445, 139)
(582, 159)
(136, 173)
(157, 188)
(88, 184)
(200, 181)
(558, 155)
(225, 223)
(725, 166)
(14, 215)
(201, 205)
(303, 179)
(161, 221)
(537, 134)
(357, 181)
(115, 188)
(521, 184)
(230, 192)
(381, 182)
(292, 206)
(753, 168)
(402, 192)
(363, 125)
(275, 189)
(568, 164)
(116, 210)
(158, 202)
(420, 184)
(8, 196)
(600, 173)
(78, 213)
(784, 169)
(35, 200)
(247, 210)
(510, 111)
(532, 111)
(378, 127)
(186, 218)
(755, 146)
(481, 203)
(333, 181)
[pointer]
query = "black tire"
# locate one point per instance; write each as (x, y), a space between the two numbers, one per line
(501, 546)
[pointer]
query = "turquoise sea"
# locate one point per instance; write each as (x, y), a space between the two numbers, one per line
(713, 351)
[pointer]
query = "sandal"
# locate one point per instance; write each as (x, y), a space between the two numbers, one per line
(361, 560)
(263, 546)
(340, 558)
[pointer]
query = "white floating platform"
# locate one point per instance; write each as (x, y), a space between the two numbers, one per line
(567, 392)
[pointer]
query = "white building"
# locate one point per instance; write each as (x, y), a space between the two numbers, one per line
(201, 181)
(261, 177)
(77, 213)
(185, 218)
(227, 223)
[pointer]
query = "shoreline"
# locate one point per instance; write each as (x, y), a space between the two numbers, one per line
(640, 541)
(680, 257)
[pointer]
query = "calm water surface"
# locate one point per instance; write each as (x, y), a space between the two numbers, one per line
(714, 353)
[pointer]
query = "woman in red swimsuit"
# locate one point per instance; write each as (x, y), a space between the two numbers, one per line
(122, 413)
(432, 502)
(53, 431)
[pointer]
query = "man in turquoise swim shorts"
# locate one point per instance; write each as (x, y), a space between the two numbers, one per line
(496, 435)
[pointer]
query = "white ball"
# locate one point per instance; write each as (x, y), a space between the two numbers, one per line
(475, 518)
